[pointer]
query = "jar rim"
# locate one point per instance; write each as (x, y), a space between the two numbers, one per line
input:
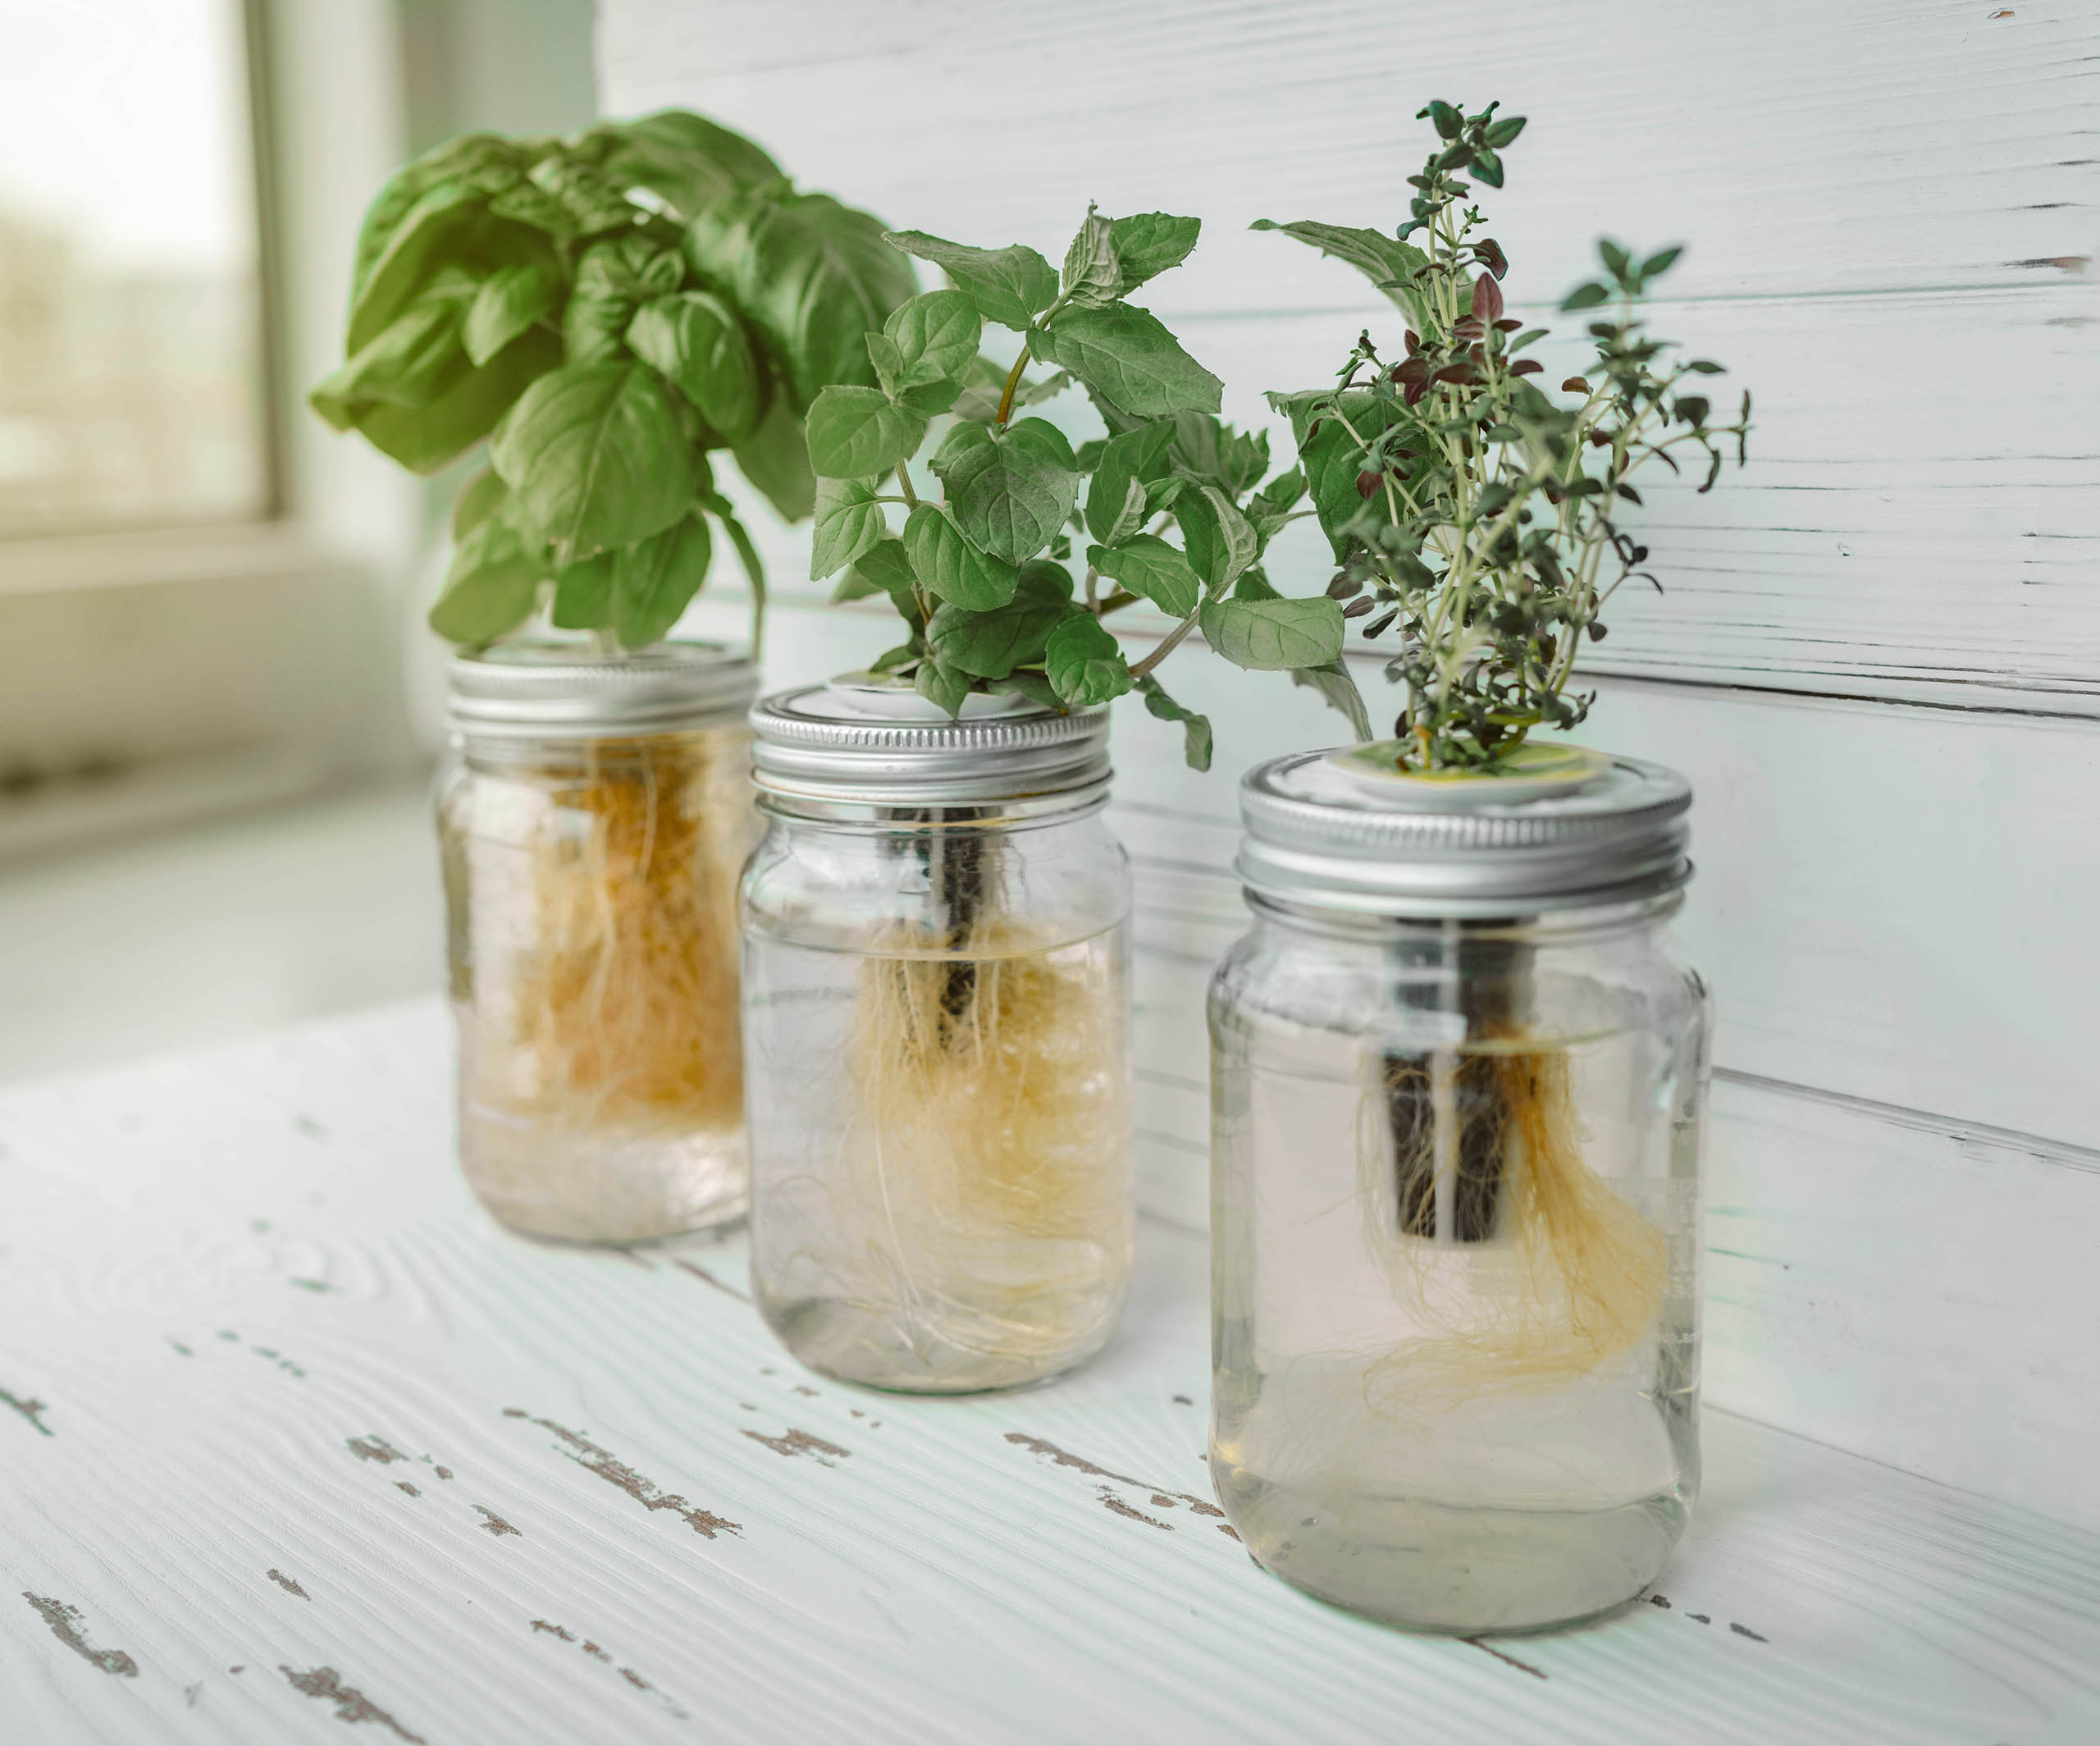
(543, 687)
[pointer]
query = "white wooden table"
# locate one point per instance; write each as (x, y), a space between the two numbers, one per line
(293, 1441)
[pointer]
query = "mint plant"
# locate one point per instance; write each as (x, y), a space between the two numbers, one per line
(1474, 514)
(983, 577)
(611, 309)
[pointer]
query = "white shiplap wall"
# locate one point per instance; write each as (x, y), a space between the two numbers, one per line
(1880, 655)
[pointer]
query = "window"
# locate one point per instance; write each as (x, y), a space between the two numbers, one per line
(133, 360)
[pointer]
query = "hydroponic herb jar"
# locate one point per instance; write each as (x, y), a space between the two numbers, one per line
(1458, 1085)
(937, 1028)
(593, 819)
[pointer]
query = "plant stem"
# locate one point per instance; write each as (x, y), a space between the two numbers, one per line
(1013, 384)
(1168, 645)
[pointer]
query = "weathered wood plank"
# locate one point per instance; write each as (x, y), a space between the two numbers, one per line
(257, 1306)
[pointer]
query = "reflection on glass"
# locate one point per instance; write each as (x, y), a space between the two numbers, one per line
(131, 330)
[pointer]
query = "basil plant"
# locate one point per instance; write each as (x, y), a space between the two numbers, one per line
(616, 312)
(984, 573)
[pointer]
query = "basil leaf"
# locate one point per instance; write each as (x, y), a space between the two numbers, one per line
(480, 498)
(1083, 663)
(1133, 458)
(934, 336)
(1333, 681)
(849, 522)
(683, 158)
(511, 299)
(696, 340)
(1274, 635)
(1091, 275)
(941, 685)
(1220, 540)
(1009, 490)
(410, 362)
(1387, 262)
(948, 565)
(583, 595)
(1147, 244)
(1146, 565)
(1126, 354)
(435, 211)
(814, 276)
(594, 459)
(596, 202)
(775, 457)
(990, 645)
(1009, 285)
(1195, 729)
(654, 581)
(855, 433)
(425, 438)
(492, 585)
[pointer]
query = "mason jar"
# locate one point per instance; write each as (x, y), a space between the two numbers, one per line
(1458, 1084)
(592, 818)
(937, 1017)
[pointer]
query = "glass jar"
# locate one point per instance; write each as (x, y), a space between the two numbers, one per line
(593, 821)
(1458, 1085)
(936, 1023)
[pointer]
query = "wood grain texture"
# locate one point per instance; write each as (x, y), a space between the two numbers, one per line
(290, 1376)
(1892, 212)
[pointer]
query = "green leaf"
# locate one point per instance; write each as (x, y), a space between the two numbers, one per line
(814, 276)
(1137, 458)
(1332, 461)
(654, 580)
(884, 568)
(1661, 261)
(849, 522)
(1195, 729)
(775, 457)
(511, 299)
(1585, 297)
(935, 336)
(434, 212)
(1274, 635)
(492, 585)
(1387, 262)
(1146, 565)
(596, 202)
(990, 645)
(481, 497)
(855, 433)
(425, 438)
(1147, 244)
(409, 363)
(1505, 131)
(683, 158)
(696, 340)
(594, 459)
(1220, 542)
(1009, 285)
(942, 686)
(949, 566)
(1034, 687)
(1335, 682)
(583, 595)
(1131, 360)
(1449, 122)
(1085, 664)
(1092, 276)
(1487, 166)
(1009, 490)
(1212, 450)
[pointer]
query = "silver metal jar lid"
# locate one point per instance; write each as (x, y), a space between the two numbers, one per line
(546, 688)
(1320, 836)
(868, 744)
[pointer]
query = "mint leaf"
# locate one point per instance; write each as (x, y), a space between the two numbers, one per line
(1136, 458)
(1147, 244)
(696, 340)
(1009, 285)
(654, 580)
(933, 337)
(1212, 450)
(1195, 729)
(492, 585)
(1125, 355)
(1146, 565)
(593, 458)
(855, 433)
(1274, 635)
(949, 566)
(849, 522)
(942, 686)
(1334, 682)
(1387, 262)
(990, 645)
(1220, 540)
(511, 299)
(583, 595)
(1092, 276)
(1009, 490)
(1084, 664)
